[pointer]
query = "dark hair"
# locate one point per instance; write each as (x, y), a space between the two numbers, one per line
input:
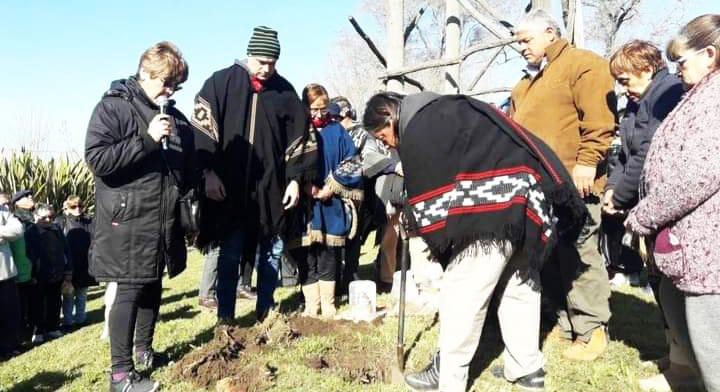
(381, 110)
(346, 108)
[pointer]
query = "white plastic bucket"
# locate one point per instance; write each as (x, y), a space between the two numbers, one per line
(362, 298)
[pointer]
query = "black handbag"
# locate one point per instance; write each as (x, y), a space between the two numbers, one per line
(189, 206)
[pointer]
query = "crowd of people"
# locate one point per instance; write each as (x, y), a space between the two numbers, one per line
(44, 269)
(512, 203)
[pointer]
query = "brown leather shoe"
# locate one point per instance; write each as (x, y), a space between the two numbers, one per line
(208, 304)
(582, 351)
(245, 292)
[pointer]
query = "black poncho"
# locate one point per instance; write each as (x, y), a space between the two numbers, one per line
(475, 176)
(222, 117)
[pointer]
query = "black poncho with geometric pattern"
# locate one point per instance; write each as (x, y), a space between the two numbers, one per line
(473, 176)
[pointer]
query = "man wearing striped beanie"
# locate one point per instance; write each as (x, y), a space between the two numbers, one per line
(263, 51)
(248, 119)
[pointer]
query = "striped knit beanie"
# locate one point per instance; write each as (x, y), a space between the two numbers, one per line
(264, 43)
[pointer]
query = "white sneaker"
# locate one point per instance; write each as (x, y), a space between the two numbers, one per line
(55, 334)
(619, 280)
(38, 339)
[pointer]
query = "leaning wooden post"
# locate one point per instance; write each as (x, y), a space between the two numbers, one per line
(452, 46)
(396, 42)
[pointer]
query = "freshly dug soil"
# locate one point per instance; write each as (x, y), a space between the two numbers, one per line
(233, 360)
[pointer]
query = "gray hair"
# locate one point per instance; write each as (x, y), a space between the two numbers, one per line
(538, 19)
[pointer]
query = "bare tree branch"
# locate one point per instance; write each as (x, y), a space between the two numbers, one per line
(445, 62)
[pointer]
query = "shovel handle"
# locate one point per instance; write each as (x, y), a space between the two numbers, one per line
(404, 261)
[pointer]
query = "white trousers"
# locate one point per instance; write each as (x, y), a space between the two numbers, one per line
(466, 290)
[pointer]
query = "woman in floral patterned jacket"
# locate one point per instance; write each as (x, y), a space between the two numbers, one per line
(681, 207)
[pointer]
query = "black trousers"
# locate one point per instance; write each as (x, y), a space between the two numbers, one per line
(25, 290)
(44, 307)
(317, 262)
(134, 312)
(9, 316)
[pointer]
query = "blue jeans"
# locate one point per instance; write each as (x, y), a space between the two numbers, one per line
(208, 282)
(76, 301)
(270, 249)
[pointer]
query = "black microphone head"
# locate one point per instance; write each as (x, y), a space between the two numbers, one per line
(162, 101)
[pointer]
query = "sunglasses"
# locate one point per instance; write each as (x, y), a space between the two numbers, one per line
(681, 61)
(169, 84)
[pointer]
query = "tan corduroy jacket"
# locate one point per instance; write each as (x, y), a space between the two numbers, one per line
(570, 105)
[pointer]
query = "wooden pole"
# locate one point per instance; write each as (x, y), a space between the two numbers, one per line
(452, 46)
(379, 55)
(578, 37)
(542, 4)
(485, 68)
(413, 23)
(368, 41)
(445, 62)
(492, 25)
(396, 42)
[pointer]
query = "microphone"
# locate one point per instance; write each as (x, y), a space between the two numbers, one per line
(162, 101)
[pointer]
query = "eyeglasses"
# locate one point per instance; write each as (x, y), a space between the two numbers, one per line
(172, 86)
(681, 61)
(318, 111)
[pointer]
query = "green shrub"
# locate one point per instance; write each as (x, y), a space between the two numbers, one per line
(51, 181)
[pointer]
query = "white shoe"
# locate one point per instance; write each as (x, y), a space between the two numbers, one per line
(619, 280)
(55, 334)
(38, 339)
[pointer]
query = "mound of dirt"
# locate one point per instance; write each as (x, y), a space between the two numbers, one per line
(233, 360)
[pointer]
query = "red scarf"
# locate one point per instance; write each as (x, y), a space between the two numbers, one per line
(256, 83)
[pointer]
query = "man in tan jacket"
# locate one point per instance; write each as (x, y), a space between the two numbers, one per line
(566, 98)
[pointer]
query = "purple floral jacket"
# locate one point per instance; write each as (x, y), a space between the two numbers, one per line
(681, 178)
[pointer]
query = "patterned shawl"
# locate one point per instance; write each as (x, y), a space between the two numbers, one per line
(475, 176)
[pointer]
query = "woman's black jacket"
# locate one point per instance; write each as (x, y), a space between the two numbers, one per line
(637, 128)
(137, 226)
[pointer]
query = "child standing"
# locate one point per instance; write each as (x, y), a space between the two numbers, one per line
(78, 229)
(48, 252)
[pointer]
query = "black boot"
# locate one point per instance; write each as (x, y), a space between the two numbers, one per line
(534, 381)
(428, 380)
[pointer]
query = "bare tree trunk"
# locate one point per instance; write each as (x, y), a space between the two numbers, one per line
(396, 42)
(452, 46)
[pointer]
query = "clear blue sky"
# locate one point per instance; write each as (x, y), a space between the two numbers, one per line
(58, 57)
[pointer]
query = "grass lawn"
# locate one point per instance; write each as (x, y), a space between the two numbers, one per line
(80, 361)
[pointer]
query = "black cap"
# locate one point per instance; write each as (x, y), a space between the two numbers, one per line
(19, 195)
